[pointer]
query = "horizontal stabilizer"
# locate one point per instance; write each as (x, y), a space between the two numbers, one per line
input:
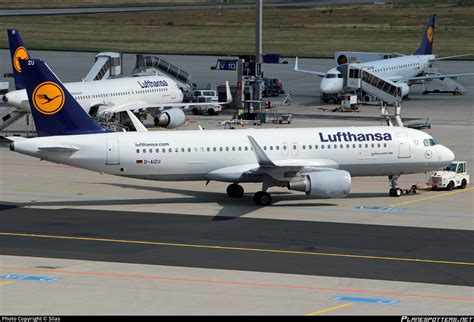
(58, 147)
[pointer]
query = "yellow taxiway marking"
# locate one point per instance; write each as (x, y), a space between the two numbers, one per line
(5, 283)
(431, 197)
(261, 250)
(330, 309)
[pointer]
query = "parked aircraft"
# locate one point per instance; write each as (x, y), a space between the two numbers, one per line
(403, 70)
(150, 93)
(317, 161)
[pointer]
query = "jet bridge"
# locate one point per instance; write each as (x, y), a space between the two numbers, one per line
(364, 82)
(107, 64)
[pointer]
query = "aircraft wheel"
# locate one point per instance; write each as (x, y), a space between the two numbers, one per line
(262, 198)
(395, 192)
(235, 191)
(450, 186)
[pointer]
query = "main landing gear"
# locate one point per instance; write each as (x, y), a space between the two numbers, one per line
(261, 198)
(235, 191)
(394, 191)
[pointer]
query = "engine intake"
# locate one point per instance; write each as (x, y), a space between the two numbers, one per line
(324, 184)
(171, 118)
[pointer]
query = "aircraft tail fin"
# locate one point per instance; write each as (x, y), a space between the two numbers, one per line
(426, 46)
(54, 109)
(17, 51)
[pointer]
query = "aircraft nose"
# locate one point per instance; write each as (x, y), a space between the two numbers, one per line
(330, 86)
(445, 155)
(448, 155)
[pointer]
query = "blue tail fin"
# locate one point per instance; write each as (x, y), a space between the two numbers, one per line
(426, 46)
(17, 51)
(54, 110)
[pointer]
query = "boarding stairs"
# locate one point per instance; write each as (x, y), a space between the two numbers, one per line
(9, 115)
(146, 64)
(451, 85)
(107, 65)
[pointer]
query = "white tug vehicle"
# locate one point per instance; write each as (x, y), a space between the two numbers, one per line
(453, 176)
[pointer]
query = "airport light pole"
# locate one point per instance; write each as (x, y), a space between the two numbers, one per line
(258, 54)
(258, 32)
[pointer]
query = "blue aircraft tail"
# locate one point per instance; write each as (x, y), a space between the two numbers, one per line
(54, 110)
(17, 51)
(426, 46)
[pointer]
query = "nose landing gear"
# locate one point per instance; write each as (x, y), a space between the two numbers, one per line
(394, 191)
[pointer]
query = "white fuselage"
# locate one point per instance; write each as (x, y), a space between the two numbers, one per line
(224, 155)
(392, 69)
(112, 92)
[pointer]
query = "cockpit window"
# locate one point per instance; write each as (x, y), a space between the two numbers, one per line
(430, 142)
(331, 75)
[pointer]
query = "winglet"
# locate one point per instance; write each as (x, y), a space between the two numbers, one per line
(228, 94)
(262, 158)
(296, 68)
(139, 127)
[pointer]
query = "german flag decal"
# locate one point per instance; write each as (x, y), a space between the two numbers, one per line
(139, 162)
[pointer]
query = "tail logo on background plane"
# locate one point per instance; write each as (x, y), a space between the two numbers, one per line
(430, 34)
(48, 98)
(20, 53)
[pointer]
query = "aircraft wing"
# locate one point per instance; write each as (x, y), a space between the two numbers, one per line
(297, 69)
(136, 106)
(426, 77)
(281, 171)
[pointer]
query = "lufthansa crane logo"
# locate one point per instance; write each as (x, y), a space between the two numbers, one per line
(20, 53)
(430, 34)
(48, 98)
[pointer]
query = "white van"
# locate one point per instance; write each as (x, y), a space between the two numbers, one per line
(205, 95)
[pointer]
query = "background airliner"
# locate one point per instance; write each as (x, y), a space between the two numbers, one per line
(317, 161)
(403, 70)
(150, 93)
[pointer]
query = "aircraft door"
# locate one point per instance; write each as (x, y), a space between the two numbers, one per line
(112, 152)
(284, 149)
(403, 145)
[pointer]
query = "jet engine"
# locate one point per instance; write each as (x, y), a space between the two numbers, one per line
(405, 89)
(324, 184)
(171, 118)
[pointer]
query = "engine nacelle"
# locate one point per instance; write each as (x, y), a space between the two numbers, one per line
(171, 118)
(405, 89)
(324, 184)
